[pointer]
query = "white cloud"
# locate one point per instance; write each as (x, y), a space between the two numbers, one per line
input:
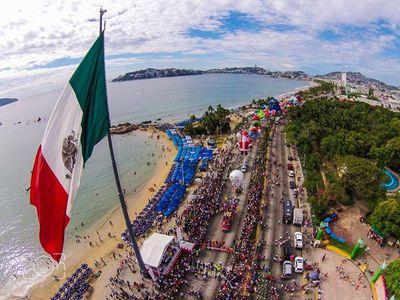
(37, 32)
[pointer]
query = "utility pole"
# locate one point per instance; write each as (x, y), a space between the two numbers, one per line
(119, 188)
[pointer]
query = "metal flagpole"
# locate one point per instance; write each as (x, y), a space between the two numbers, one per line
(119, 188)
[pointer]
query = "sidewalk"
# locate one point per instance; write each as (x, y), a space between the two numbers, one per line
(344, 280)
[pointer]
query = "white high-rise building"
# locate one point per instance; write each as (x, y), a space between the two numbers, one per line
(344, 79)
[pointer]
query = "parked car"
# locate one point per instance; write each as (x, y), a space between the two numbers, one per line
(287, 250)
(292, 185)
(291, 174)
(298, 265)
(243, 169)
(287, 269)
(287, 211)
(298, 240)
(290, 158)
(290, 166)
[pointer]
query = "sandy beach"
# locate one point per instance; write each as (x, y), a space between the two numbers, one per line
(103, 246)
(292, 92)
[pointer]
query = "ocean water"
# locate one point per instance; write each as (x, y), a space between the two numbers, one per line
(170, 99)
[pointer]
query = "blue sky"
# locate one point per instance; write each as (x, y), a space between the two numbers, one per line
(43, 41)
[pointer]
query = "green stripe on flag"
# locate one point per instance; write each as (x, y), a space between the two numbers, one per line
(89, 85)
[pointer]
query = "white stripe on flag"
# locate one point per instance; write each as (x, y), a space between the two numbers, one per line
(65, 121)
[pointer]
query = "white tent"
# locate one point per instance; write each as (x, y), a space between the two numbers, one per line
(153, 248)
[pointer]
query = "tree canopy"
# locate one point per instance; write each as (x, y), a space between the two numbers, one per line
(342, 128)
(332, 133)
(386, 217)
(360, 178)
(212, 121)
(392, 277)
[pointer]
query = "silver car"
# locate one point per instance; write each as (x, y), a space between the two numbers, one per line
(287, 269)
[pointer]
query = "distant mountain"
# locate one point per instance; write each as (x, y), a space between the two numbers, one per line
(291, 75)
(352, 77)
(173, 72)
(156, 73)
(5, 101)
(359, 79)
(238, 70)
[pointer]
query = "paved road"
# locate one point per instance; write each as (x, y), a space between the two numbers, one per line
(209, 286)
(277, 188)
(272, 215)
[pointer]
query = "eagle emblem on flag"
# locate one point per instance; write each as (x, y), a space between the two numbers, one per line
(69, 151)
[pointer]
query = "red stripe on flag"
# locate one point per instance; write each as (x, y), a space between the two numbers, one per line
(50, 199)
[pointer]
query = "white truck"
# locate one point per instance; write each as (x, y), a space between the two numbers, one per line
(297, 216)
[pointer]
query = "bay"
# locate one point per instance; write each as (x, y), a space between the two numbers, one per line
(170, 99)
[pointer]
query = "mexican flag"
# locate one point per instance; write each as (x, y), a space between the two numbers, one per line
(78, 122)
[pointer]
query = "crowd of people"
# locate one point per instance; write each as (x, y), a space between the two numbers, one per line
(150, 215)
(147, 217)
(266, 288)
(76, 285)
(236, 284)
(194, 221)
(124, 289)
(207, 199)
(360, 282)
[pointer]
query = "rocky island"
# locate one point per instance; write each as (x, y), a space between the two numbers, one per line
(173, 72)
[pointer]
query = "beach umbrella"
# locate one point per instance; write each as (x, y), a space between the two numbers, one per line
(314, 275)
(244, 132)
(236, 177)
(256, 118)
